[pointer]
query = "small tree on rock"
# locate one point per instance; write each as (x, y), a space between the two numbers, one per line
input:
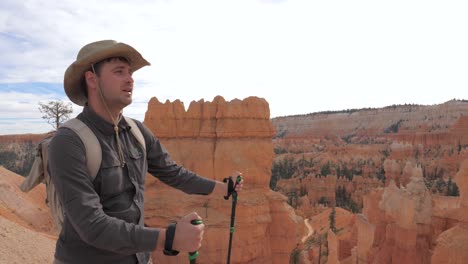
(55, 112)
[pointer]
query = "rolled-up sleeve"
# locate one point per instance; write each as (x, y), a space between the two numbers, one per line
(81, 203)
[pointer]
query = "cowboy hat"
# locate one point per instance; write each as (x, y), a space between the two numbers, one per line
(93, 53)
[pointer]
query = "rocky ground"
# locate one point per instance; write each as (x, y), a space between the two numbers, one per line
(22, 245)
(26, 232)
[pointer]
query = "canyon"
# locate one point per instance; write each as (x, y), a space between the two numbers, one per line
(398, 169)
(385, 185)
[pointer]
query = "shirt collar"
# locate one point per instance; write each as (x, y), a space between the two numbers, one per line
(101, 124)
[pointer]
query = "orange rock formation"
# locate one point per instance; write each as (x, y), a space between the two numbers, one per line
(406, 224)
(452, 244)
(409, 225)
(214, 139)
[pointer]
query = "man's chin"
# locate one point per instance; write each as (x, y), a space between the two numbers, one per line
(126, 102)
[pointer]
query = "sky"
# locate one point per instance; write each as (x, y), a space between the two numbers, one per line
(301, 56)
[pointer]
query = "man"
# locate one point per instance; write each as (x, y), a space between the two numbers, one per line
(103, 218)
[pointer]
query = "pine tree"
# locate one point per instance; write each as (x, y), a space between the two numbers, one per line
(55, 112)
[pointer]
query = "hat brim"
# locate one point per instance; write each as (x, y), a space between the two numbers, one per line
(73, 75)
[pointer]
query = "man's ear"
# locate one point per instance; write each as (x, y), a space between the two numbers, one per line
(90, 79)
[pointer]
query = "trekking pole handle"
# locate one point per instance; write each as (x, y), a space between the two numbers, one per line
(232, 186)
(193, 255)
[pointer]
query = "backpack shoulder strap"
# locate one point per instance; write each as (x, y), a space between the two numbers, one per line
(91, 143)
(136, 132)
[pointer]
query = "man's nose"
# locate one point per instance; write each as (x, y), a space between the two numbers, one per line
(130, 78)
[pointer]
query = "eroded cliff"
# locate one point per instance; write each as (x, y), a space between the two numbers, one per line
(214, 139)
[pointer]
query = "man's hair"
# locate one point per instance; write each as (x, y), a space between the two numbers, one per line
(97, 69)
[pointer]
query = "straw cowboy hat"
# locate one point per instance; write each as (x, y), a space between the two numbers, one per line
(91, 54)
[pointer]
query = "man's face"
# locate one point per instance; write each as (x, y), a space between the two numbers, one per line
(116, 82)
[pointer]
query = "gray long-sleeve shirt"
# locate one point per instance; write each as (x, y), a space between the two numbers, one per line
(103, 220)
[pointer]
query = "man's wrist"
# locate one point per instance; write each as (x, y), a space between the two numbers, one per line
(161, 239)
(220, 189)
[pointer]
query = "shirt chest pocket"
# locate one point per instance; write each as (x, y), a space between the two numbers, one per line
(135, 153)
(135, 164)
(113, 178)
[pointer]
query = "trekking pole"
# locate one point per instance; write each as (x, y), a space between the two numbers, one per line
(193, 255)
(232, 191)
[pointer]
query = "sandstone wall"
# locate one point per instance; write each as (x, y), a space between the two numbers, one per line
(214, 139)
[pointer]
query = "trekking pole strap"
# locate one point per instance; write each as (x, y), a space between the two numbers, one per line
(232, 186)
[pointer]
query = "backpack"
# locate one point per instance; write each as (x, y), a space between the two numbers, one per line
(39, 172)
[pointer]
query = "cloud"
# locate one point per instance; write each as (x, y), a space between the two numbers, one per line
(301, 56)
(23, 105)
(19, 103)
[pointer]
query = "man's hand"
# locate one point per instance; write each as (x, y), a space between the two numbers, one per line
(221, 189)
(188, 237)
(239, 185)
(235, 183)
